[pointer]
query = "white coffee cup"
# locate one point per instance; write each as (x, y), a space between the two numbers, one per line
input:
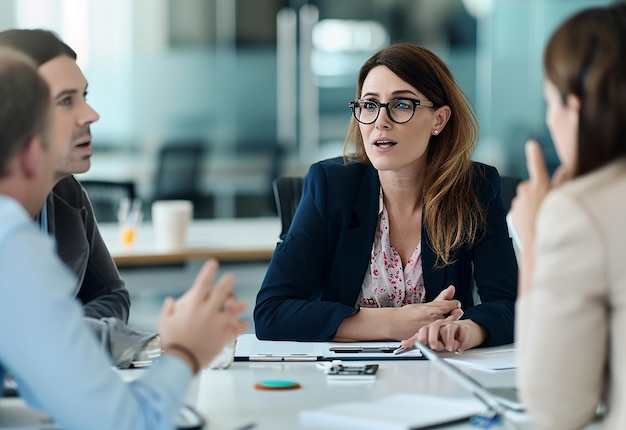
(170, 220)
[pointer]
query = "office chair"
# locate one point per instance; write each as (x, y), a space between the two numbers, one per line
(287, 194)
(508, 189)
(268, 153)
(105, 197)
(178, 173)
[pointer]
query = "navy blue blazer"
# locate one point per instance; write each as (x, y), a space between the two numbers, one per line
(315, 275)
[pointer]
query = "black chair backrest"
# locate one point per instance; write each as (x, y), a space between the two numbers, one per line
(508, 189)
(178, 170)
(105, 197)
(287, 193)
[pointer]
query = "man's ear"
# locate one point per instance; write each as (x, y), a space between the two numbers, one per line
(29, 157)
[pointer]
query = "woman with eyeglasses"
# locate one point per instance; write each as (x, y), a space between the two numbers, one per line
(572, 298)
(389, 240)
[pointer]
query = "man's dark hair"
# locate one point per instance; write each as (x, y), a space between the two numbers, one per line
(41, 45)
(24, 103)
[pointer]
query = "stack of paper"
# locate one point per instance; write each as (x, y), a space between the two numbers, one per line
(398, 412)
(495, 359)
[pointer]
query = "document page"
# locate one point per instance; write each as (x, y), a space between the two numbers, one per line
(249, 348)
(398, 412)
(489, 359)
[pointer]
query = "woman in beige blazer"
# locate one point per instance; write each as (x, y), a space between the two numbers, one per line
(571, 310)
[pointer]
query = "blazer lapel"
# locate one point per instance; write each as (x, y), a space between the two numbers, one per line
(434, 278)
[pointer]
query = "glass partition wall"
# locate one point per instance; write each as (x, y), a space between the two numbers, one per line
(265, 84)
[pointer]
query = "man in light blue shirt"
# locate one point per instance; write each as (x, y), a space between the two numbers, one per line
(44, 343)
(68, 215)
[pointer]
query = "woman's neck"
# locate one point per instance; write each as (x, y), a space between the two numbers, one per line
(402, 194)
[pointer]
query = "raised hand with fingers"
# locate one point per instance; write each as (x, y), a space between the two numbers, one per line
(198, 325)
(530, 195)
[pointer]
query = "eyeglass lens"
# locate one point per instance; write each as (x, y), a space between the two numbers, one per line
(399, 110)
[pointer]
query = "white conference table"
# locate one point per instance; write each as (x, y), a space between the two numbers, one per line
(227, 398)
(227, 239)
(229, 401)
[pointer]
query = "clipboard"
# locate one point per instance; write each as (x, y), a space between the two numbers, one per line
(249, 348)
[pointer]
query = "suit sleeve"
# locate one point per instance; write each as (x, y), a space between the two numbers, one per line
(562, 323)
(102, 292)
(288, 305)
(495, 268)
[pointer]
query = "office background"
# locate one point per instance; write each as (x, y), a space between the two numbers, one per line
(263, 86)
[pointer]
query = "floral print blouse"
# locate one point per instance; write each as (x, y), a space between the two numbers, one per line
(386, 282)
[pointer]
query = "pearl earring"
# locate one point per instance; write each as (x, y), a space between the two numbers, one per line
(436, 132)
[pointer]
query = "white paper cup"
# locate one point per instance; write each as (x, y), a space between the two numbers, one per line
(170, 220)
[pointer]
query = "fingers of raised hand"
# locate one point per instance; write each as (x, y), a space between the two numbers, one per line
(535, 163)
(204, 279)
(221, 292)
(168, 306)
(233, 307)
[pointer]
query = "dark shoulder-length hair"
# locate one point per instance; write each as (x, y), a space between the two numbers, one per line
(453, 215)
(586, 57)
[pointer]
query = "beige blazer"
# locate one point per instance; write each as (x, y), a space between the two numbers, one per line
(571, 329)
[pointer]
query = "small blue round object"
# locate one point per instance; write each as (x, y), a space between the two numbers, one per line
(276, 384)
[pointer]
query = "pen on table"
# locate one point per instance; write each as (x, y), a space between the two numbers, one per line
(402, 350)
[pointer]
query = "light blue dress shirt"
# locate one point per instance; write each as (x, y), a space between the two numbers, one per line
(50, 352)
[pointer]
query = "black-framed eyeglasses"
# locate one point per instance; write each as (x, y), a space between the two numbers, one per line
(398, 110)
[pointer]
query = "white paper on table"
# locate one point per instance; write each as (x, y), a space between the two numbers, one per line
(249, 347)
(401, 411)
(490, 360)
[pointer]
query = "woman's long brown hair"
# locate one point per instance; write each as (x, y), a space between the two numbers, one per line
(453, 215)
(586, 57)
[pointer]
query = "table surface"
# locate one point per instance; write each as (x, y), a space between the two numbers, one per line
(227, 239)
(229, 401)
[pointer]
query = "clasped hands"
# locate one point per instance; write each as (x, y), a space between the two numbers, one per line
(441, 327)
